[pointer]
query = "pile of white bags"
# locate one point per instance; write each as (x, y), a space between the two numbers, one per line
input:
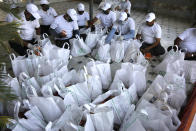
(97, 97)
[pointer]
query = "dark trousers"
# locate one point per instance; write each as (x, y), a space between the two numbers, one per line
(45, 29)
(17, 47)
(83, 36)
(156, 51)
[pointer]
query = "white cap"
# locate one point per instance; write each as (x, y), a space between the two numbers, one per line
(44, 2)
(81, 7)
(106, 6)
(150, 17)
(123, 16)
(72, 13)
(31, 8)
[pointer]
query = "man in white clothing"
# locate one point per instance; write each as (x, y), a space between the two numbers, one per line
(83, 16)
(83, 19)
(124, 27)
(106, 17)
(29, 23)
(48, 15)
(187, 41)
(124, 6)
(65, 27)
(150, 33)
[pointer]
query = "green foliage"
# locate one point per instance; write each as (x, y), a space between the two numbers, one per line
(8, 31)
(3, 121)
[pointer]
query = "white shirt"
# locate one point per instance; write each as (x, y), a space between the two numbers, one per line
(150, 33)
(27, 28)
(60, 24)
(107, 20)
(188, 38)
(82, 19)
(126, 27)
(10, 18)
(48, 16)
(125, 5)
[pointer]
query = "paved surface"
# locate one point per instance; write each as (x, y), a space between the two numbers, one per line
(170, 27)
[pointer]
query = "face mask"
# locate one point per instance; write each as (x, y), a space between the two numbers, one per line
(123, 0)
(81, 12)
(122, 22)
(45, 7)
(32, 18)
(69, 19)
(106, 12)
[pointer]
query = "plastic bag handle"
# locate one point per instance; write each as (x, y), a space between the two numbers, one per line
(24, 76)
(77, 37)
(12, 55)
(45, 34)
(16, 110)
(177, 49)
(92, 61)
(29, 52)
(66, 44)
(33, 91)
(185, 49)
(85, 73)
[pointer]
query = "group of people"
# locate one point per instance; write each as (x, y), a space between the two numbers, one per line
(62, 28)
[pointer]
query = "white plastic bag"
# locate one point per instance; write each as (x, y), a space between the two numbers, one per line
(170, 58)
(61, 53)
(18, 64)
(48, 107)
(102, 70)
(79, 48)
(95, 86)
(91, 39)
(80, 93)
(14, 84)
(65, 120)
(103, 53)
(103, 119)
(117, 51)
(34, 121)
(120, 108)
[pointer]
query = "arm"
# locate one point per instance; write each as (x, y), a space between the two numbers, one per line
(110, 36)
(130, 35)
(177, 41)
(91, 23)
(157, 42)
(139, 33)
(37, 31)
(54, 13)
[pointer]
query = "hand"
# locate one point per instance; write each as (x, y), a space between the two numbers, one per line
(188, 55)
(63, 34)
